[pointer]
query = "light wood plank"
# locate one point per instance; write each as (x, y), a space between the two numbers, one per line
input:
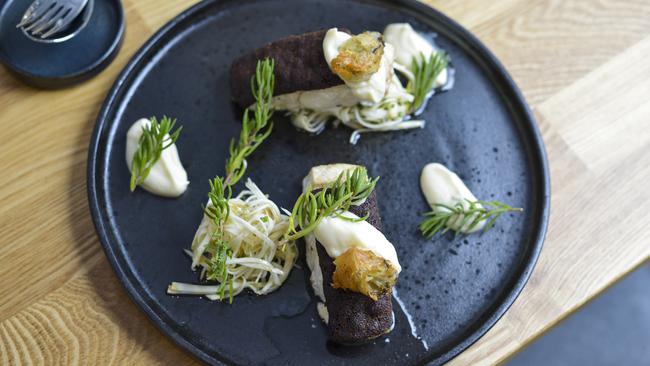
(89, 320)
(547, 45)
(596, 234)
(44, 209)
(604, 116)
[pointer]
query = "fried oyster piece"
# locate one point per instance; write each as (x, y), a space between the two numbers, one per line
(364, 272)
(359, 57)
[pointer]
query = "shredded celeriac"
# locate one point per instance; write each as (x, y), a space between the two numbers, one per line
(390, 114)
(261, 260)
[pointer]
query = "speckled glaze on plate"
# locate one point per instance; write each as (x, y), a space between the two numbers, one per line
(453, 288)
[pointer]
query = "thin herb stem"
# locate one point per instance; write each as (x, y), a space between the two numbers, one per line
(254, 131)
(463, 218)
(425, 72)
(349, 189)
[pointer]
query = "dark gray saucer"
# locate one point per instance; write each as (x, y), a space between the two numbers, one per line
(454, 289)
(58, 65)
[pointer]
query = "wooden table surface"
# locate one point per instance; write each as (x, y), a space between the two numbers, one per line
(583, 66)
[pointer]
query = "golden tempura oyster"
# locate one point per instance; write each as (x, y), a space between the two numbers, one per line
(359, 57)
(363, 271)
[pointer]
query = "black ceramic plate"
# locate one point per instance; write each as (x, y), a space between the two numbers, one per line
(453, 288)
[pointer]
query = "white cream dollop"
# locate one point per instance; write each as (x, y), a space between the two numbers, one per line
(373, 90)
(332, 41)
(337, 235)
(167, 177)
(442, 186)
(409, 44)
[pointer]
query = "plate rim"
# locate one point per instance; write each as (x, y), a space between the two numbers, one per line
(426, 11)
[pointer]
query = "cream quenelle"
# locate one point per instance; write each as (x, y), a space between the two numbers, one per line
(442, 186)
(337, 235)
(167, 177)
(409, 45)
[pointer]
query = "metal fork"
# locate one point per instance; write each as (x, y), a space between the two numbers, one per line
(44, 18)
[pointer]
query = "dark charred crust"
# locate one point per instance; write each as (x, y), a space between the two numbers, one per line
(299, 65)
(371, 209)
(353, 317)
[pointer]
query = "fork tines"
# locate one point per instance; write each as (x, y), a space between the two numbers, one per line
(46, 17)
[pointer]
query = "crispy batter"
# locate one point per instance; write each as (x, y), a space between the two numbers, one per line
(363, 271)
(359, 57)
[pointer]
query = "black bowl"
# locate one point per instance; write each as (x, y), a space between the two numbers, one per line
(54, 65)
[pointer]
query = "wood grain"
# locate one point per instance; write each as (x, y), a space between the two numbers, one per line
(582, 65)
(548, 44)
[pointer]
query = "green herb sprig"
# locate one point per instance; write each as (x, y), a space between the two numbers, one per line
(460, 216)
(254, 131)
(349, 189)
(425, 72)
(218, 211)
(150, 147)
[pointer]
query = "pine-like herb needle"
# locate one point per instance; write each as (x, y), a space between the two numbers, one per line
(218, 212)
(254, 131)
(349, 189)
(425, 72)
(150, 146)
(460, 217)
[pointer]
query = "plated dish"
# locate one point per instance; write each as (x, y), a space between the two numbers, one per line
(340, 250)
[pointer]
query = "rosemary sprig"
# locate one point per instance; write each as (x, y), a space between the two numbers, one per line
(254, 131)
(218, 211)
(460, 217)
(349, 189)
(150, 146)
(425, 72)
